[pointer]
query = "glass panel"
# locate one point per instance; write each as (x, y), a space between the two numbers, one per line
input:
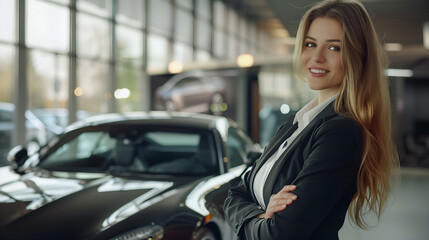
(219, 49)
(92, 81)
(183, 26)
(160, 16)
(232, 22)
(88, 150)
(48, 74)
(232, 47)
(203, 9)
(179, 152)
(98, 7)
(244, 46)
(129, 43)
(243, 28)
(182, 52)
(47, 26)
(253, 33)
(7, 20)
(131, 12)
(62, 1)
(219, 14)
(157, 52)
(184, 3)
(92, 37)
(203, 34)
(7, 59)
(203, 55)
(127, 94)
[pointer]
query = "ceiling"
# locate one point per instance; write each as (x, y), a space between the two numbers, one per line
(396, 21)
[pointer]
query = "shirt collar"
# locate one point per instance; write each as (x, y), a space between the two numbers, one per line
(310, 111)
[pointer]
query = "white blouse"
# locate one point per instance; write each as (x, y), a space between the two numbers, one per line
(303, 117)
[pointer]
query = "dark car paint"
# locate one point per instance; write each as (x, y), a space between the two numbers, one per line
(105, 205)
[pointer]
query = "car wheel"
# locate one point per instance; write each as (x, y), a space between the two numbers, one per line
(205, 234)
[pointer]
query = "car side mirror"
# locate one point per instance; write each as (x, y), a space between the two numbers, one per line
(17, 156)
(252, 156)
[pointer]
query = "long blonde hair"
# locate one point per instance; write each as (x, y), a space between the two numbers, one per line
(363, 96)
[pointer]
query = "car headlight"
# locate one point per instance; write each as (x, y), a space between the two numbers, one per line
(154, 232)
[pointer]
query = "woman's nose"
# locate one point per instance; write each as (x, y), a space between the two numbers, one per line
(319, 55)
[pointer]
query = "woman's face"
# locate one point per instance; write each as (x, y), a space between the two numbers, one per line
(321, 56)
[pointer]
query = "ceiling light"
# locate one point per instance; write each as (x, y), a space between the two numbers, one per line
(245, 60)
(393, 47)
(399, 72)
(175, 67)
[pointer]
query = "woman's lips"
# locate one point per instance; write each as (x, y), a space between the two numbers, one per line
(317, 72)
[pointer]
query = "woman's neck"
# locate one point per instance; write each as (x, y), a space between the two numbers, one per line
(325, 94)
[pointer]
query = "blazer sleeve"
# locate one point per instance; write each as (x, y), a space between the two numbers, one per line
(239, 206)
(328, 172)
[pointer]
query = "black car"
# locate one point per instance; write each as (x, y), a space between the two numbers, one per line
(150, 175)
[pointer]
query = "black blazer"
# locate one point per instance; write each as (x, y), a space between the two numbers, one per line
(323, 162)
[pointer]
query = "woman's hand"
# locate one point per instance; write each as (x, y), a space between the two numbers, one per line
(279, 201)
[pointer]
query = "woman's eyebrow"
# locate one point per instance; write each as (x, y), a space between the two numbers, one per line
(329, 40)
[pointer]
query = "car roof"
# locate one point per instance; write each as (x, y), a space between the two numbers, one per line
(193, 120)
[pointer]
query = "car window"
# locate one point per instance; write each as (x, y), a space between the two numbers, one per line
(173, 139)
(188, 82)
(237, 143)
(81, 151)
(173, 152)
(165, 151)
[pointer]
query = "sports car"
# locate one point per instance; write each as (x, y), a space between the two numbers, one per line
(146, 175)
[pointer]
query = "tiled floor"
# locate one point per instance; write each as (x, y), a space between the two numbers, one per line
(406, 216)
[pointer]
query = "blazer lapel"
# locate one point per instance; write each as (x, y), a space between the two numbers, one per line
(273, 146)
(272, 176)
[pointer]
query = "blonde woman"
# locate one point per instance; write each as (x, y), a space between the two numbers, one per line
(336, 153)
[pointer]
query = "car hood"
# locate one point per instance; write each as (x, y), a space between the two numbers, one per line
(84, 205)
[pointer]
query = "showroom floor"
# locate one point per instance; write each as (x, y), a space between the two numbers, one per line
(407, 214)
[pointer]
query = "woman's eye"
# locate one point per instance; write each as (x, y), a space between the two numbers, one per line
(334, 48)
(309, 44)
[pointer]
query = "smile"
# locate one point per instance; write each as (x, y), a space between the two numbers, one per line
(314, 70)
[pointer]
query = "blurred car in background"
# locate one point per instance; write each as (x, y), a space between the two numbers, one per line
(36, 132)
(41, 125)
(191, 92)
(154, 175)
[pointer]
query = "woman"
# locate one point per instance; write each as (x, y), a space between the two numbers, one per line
(336, 153)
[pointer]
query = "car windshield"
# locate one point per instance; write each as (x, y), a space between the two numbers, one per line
(160, 151)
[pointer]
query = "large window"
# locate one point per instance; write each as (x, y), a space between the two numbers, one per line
(183, 26)
(160, 17)
(97, 7)
(7, 20)
(7, 53)
(182, 52)
(92, 86)
(131, 12)
(47, 26)
(48, 74)
(129, 44)
(157, 52)
(92, 37)
(113, 43)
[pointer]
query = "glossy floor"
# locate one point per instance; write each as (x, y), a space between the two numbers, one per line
(406, 216)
